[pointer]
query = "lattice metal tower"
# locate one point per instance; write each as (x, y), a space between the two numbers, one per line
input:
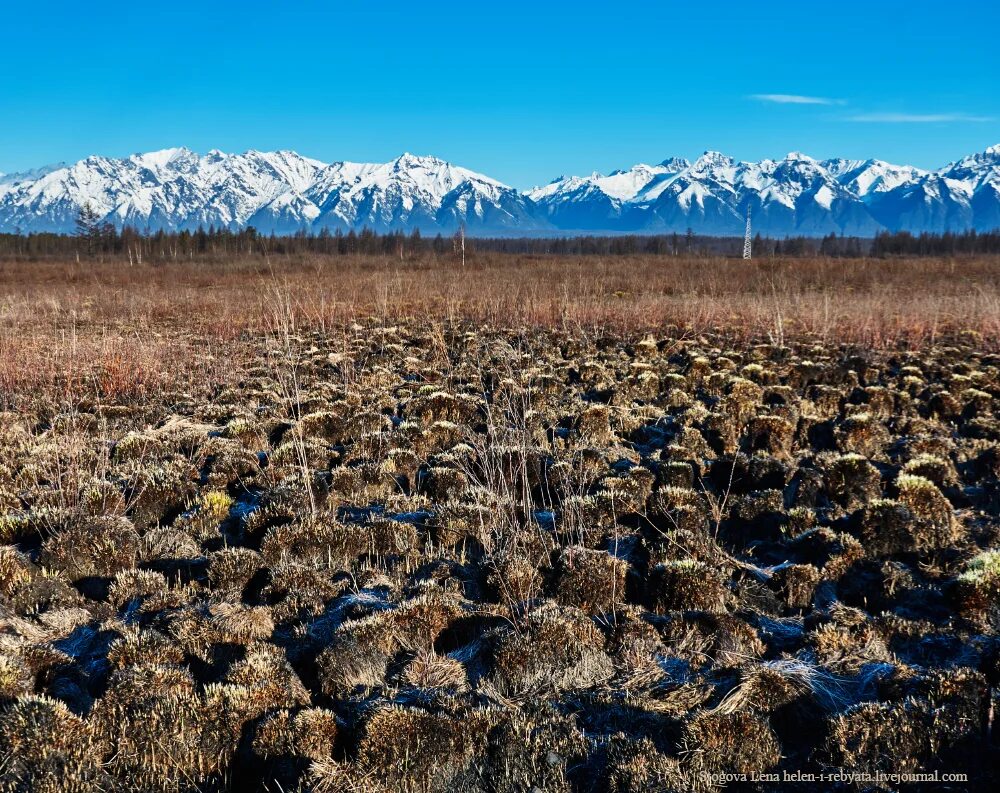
(746, 238)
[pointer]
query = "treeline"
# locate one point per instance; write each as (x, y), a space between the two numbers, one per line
(105, 241)
(948, 244)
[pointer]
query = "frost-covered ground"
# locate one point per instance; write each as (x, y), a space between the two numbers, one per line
(440, 556)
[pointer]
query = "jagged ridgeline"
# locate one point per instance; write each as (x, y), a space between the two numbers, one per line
(283, 193)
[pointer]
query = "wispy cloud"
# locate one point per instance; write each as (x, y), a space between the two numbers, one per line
(795, 99)
(915, 118)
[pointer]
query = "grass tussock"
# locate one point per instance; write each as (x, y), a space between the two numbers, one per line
(399, 527)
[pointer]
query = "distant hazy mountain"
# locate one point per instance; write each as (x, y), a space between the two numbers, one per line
(283, 192)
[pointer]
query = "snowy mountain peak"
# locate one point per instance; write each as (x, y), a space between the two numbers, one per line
(711, 158)
(407, 160)
(675, 164)
(284, 192)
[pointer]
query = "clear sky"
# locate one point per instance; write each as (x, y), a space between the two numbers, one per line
(522, 91)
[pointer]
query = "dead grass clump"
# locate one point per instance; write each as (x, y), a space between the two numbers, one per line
(168, 545)
(862, 433)
(99, 547)
(268, 679)
(164, 735)
(511, 578)
(300, 590)
(939, 724)
(237, 623)
(978, 585)
(15, 569)
(155, 490)
(48, 749)
(686, 585)
(231, 569)
(593, 424)
(351, 666)
(386, 537)
(590, 580)
(553, 649)
(16, 678)
(532, 748)
(131, 587)
(889, 734)
(407, 749)
(937, 469)
(723, 638)
(44, 592)
(848, 641)
(319, 543)
(852, 481)
(741, 742)
(428, 670)
(928, 504)
(308, 734)
(211, 510)
(771, 434)
(796, 583)
(638, 765)
(142, 646)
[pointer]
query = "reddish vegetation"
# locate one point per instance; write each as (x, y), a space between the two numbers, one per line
(80, 326)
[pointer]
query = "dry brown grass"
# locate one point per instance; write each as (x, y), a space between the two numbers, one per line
(113, 331)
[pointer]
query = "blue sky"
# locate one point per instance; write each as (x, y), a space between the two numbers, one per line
(521, 91)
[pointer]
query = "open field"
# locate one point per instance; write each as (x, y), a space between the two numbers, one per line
(532, 524)
(86, 328)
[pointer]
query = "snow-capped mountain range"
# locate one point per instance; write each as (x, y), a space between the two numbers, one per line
(284, 192)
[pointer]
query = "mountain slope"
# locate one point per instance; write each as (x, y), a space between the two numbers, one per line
(283, 192)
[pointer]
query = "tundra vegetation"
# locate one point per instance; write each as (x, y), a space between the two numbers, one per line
(534, 524)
